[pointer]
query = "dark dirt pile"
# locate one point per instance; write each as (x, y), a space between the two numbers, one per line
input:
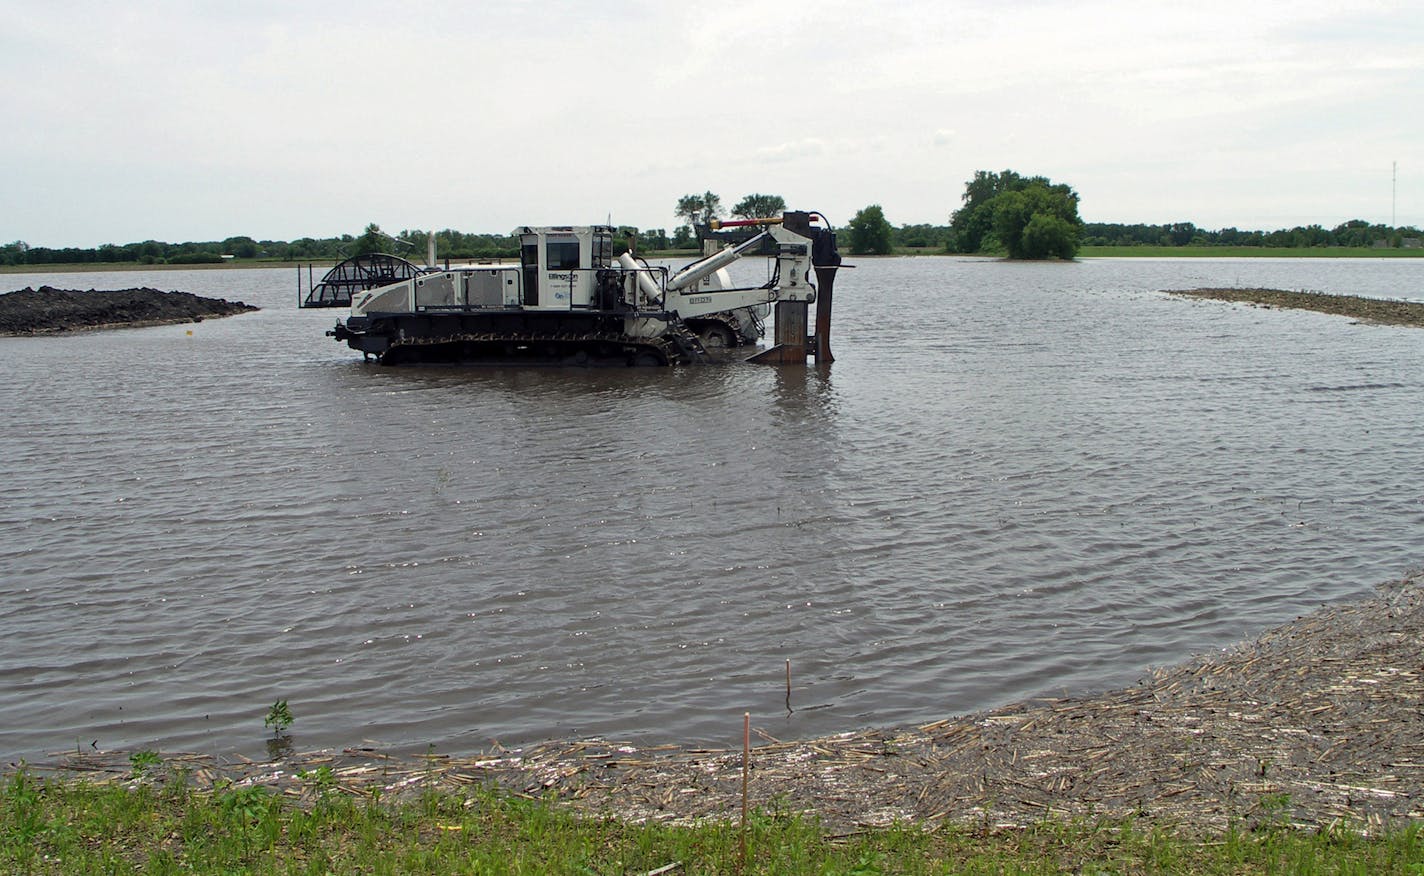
(46, 309)
(1318, 722)
(1374, 310)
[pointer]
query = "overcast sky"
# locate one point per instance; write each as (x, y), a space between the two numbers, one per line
(200, 121)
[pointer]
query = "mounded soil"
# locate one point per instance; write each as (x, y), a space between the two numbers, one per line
(49, 310)
(1374, 310)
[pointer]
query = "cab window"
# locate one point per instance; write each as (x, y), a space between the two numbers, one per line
(561, 255)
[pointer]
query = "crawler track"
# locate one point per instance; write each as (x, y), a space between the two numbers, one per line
(394, 342)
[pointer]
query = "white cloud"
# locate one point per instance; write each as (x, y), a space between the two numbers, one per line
(179, 121)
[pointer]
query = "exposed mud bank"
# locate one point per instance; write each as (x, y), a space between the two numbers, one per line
(48, 310)
(1374, 310)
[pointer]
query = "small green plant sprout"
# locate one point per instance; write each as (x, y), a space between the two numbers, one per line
(25, 804)
(279, 718)
(321, 779)
(245, 805)
(143, 761)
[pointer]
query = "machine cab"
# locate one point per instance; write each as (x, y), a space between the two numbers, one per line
(560, 264)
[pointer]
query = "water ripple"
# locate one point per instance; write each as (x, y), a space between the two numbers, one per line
(1016, 480)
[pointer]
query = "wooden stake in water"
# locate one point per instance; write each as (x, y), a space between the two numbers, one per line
(788, 685)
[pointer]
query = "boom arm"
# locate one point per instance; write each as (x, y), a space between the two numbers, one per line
(791, 283)
(713, 263)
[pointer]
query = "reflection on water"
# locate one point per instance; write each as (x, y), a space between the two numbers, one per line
(1015, 479)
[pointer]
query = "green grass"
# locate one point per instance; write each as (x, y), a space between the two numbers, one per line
(71, 827)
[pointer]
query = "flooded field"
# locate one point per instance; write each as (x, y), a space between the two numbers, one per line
(1016, 479)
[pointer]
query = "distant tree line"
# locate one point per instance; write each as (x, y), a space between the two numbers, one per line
(1356, 232)
(410, 244)
(1003, 213)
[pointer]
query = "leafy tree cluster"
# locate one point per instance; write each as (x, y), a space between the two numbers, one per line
(698, 209)
(923, 236)
(452, 244)
(701, 209)
(870, 232)
(642, 240)
(1029, 217)
(759, 206)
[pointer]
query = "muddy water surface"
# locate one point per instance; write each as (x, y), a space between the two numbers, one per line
(1015, 479)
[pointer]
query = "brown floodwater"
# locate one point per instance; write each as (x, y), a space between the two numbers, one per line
(1015, 479)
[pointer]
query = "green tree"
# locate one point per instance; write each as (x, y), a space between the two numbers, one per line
(1048, 236)
(689, 207)
(921, 236)
(243, 247)
(1050, 211)
(970, 224)
(759, 206)
(626, 237)
(999, 207)
(711, 208)
(1181, 233)
(373, 240)
(650, 239)
(870, 232)
(14, 253)
(699, 209)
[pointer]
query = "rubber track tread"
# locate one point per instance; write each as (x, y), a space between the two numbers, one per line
(664, 345)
